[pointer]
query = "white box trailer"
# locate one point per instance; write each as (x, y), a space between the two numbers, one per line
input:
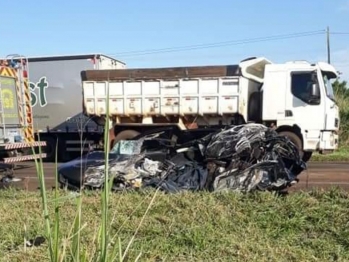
(296, 98)
(56, 93)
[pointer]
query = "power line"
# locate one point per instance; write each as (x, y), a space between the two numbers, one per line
(219, 44)
(339, 33)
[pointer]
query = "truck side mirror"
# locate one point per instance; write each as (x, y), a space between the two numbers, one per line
(314, 98)
(315, 91)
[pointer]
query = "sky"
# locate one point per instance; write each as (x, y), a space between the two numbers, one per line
(278, 30)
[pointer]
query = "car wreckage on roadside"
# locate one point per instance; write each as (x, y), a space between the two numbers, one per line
(241, 158)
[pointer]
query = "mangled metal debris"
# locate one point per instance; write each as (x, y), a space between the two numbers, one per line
(242, 158)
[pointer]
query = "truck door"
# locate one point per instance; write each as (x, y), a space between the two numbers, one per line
(301, 107)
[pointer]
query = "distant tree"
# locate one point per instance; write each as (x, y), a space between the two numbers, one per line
(341, 89)
(341, 92)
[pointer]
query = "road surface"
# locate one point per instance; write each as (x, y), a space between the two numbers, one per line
(318, 175)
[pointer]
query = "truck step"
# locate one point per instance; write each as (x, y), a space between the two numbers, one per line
(23, 158)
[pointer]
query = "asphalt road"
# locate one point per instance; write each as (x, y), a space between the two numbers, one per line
(318, 175)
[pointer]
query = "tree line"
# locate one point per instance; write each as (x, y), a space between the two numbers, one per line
(341, 92)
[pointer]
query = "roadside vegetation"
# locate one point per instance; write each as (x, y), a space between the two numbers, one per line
(341, 155)
(341, 92)
(307, 226)
(152, 226)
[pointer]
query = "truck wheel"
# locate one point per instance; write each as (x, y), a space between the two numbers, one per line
(123, 135)
(295, 140)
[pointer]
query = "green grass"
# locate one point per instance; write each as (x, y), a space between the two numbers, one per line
(150, 226)
(203, 226)
(341, 155)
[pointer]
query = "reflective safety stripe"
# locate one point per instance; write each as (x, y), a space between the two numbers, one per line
(22, 145)
(29, 130)
(23, 158)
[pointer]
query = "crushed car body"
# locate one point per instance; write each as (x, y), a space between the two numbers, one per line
(241, 158)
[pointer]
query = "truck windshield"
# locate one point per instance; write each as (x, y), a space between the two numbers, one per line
(328, 86)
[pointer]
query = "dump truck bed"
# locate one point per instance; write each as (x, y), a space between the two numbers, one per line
(176, 91)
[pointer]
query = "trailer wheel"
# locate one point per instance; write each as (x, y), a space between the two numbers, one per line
(295, 140)
(123, 135)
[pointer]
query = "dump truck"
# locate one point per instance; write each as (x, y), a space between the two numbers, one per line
(17, 138)
(56, 93)
(294, 98)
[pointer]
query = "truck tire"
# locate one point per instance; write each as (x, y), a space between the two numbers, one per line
(123, 135)
(295, 140)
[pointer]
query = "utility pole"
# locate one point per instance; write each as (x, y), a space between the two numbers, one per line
(328, 46)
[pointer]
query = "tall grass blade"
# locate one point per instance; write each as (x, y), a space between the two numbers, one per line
(41, 178)
(76, 231)
(57, 222)
(105, 191)
(120, 249)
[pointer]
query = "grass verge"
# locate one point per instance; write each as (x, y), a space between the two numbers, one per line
(342, 155)
(305, 226)
(101, 226)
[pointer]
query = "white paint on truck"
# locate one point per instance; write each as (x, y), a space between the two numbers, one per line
(215, 96)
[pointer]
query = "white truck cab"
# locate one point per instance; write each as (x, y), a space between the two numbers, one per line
(298, 99)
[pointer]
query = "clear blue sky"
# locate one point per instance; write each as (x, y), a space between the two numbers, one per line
(35, 28)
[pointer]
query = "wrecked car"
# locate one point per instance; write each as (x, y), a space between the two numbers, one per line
(242, 158)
